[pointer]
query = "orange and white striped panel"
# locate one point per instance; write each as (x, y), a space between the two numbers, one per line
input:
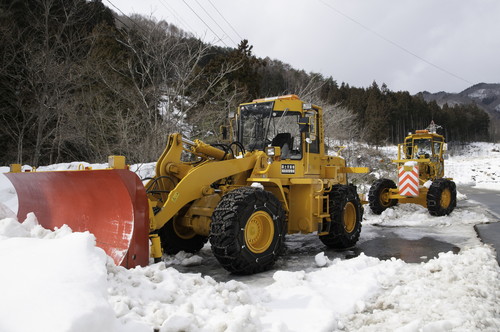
(408, 180)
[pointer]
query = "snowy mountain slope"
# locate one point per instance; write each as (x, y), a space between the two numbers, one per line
(485, 95)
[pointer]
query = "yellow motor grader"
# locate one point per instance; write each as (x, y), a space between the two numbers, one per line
(420, 175)
(274, 178)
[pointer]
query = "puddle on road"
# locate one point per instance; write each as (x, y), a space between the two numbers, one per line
(301, 249)
(410, 251)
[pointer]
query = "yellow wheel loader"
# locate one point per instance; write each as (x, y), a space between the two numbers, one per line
(275, 178)
(420, 176)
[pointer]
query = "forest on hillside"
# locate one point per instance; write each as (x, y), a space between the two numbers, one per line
(79, 82)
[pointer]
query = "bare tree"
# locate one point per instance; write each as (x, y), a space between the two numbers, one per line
(43, 72)
(168, 80)
(341, 125)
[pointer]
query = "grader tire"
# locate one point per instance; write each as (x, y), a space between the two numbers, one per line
(247, 230)
(175, 238)
(377, 197)
(346, 214)
(441, 197)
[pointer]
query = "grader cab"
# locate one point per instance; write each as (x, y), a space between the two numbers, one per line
(421, 178)
(274, 178)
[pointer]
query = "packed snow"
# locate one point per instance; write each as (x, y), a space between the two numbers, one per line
(60, 281)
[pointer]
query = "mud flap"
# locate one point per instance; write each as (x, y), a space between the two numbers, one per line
(111, 204)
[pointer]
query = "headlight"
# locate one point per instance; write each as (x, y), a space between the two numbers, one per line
(271, 151)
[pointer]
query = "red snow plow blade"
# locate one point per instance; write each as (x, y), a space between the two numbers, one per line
(111, 204)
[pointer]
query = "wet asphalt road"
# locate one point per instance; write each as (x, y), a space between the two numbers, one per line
(411, 244)
(490, 199)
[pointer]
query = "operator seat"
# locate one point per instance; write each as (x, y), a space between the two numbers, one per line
(285, 142)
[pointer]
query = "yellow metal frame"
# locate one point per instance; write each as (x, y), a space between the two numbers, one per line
(421, 199)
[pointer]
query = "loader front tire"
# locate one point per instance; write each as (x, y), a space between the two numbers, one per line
(346, 215)
(441, 197)
(247, 230)
(174, 238)
(378, 197)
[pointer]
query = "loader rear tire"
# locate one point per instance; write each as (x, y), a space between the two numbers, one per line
(247, 230)
(346, 215)
(175, 238)
(378, 195)
(441, 197)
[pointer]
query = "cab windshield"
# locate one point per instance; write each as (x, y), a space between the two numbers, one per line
(424, 147)
(260, 126)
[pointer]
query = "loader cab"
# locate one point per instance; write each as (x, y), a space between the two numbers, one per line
(280, 122)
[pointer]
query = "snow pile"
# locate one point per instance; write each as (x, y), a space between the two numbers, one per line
(64, 283)
(183, 258)
(315, 301)
(450, 293)
(52, 281)
(413, 215)
(165, 298)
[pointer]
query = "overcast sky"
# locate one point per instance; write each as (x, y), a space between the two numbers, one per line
(414, 45)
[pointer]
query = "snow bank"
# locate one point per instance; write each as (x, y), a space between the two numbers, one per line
(415, 215)
(62, 282)
(165, 298)
(315, 301)
(51, 281)
(450, 293)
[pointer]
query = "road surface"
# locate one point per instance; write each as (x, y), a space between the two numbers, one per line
(490, 199)
(411, 244)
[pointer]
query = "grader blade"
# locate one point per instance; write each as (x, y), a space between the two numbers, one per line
(111, 204)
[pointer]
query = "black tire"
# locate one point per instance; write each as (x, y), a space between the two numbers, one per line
(377, 195)
(175, 238)
(247, 230)
(441, 197)
(346, 214)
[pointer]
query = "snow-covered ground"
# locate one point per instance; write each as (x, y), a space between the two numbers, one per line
(478, 165)
(59, 281)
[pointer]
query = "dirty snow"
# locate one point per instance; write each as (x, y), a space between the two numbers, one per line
(59, 281)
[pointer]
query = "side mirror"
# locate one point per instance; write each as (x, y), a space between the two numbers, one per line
(304, 124)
